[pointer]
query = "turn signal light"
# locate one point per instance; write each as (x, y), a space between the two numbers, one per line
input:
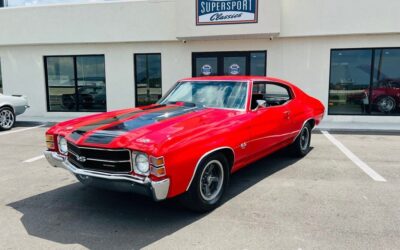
(158, 172)
(157, 166)
(157, 162)
(50, 142)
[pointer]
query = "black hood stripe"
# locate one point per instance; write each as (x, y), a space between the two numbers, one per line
(105, 136)
(77, 134)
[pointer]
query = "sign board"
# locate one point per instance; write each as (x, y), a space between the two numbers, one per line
(234, 69)
(209, 12)
(206, 69)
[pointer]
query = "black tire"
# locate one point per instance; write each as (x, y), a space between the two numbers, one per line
(7, 118)
(386, 104)
(301, 146)
(197, 198)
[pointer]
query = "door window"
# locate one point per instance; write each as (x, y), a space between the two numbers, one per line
(274, 94)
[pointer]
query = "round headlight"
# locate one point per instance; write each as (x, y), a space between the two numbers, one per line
(62, 145)
(142, 163)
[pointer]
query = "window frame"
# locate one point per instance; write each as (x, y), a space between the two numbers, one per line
(372, 75)
(75, 81)
(135, 55)
(288, 88)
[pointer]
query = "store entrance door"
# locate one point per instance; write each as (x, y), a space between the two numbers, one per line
(229, 63)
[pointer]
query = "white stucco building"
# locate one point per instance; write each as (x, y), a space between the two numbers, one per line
(74, 58)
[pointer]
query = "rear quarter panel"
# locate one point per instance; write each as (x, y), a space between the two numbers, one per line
(17, 103)
(304, 108)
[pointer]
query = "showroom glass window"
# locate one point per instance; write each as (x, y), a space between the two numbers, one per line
(364, 82)
(76, 83)
(147, 79)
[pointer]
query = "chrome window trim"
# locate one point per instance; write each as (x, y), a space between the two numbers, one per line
(289, 88)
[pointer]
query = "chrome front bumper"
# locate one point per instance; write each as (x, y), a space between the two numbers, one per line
(156, 189)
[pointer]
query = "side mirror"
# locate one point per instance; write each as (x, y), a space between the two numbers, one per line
(261, 104)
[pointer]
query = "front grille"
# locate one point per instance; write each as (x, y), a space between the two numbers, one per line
(99, 159)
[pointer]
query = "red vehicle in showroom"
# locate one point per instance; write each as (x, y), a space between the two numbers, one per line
(190, 142)
(385, 96)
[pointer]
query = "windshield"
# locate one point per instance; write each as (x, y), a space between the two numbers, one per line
(213, 94)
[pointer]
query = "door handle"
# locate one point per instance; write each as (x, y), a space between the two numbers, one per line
(287, 114)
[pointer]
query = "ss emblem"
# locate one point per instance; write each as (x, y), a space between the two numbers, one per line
(81, 158)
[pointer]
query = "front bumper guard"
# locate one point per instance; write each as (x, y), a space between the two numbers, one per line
(157, 189)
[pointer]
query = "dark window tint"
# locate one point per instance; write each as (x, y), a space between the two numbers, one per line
(147, 78)
(363, 82)
(349, 81)
(206, 66)
(91, 83)
(229, 63)
(257, 64)
(76, 83)
(235, 65)
(385, 91)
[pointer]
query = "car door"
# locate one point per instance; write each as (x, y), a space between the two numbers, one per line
(270, 125)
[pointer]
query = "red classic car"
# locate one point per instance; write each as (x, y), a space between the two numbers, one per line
(385, 96)
(190, 142)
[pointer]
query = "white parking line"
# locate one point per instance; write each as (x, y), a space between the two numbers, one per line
(364, 167)
(20, 130)
(34, 159)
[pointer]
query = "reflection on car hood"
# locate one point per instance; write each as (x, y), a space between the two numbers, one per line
(141, 126)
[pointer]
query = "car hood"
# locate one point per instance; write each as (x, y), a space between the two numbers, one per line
(143, 129)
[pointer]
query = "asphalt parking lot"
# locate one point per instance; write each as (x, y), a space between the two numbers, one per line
(327, 200)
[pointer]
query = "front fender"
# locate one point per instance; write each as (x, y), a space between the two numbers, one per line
(181, 164)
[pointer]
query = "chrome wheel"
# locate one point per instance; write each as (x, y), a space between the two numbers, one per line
(386, 104)
(7, 118)
(211, 180)
(304, 138)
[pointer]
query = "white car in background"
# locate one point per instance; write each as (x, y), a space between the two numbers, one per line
(10, 107)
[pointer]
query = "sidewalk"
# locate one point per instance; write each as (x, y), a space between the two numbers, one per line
(359, 126)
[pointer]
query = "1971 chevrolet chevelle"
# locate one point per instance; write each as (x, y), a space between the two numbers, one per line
(190, 142)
